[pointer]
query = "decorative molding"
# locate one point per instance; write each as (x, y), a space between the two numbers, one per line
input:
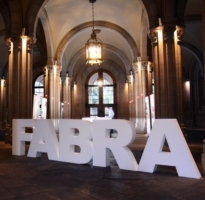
(8, 44)
(153, 35)
(180, 31)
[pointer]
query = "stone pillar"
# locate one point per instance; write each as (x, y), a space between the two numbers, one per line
(166, 71)
(52, 92)
(67, 97)
(179, 79)
(140, 69)
(132, 115)
(170, 71)
(158, 60)
(19, 78)
(2, 102)
(149, 71)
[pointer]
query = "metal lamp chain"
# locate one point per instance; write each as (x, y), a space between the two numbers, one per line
(93, 14)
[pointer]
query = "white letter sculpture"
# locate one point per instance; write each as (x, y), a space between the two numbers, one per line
(68, 140)
(44, 140)
(179, 155)
(19, 136)
(102, 143)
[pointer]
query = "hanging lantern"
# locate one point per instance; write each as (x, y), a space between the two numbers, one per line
(93, 46)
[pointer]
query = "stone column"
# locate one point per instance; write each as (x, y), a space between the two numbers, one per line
(140, 92)
(164, 71)
(159, 75)
(179, 79)
(2, 102)
(67, 97)
(170, 71)
(149, 71)
(52, 92)
(132, 115)
(19, 78)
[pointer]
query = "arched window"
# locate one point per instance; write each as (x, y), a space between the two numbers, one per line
(39, 86)
(39, 90)
(100, 94)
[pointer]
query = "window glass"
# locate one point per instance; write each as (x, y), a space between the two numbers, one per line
(39, 81)
(93, 95)
(93, 111)
(108, 95)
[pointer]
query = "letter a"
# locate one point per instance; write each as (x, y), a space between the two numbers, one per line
(44, 140)
(179, 155)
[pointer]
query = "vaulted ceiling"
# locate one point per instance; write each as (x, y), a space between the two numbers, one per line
(67, 25)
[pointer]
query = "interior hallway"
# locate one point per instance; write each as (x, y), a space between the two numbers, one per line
(31, 178)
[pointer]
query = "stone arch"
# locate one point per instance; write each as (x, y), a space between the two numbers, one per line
(49, 43)
(152, 10)
(117, 72)
(121, 31)
(32, 16)
(106, 66)
(196, 52)
(143, 37)
(126, 64)
(180, 12)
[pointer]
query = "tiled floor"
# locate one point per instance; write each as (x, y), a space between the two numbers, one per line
(31, 178)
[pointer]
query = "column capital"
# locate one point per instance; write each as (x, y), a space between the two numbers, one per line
(8, 44)
(30, 43)
(169, 31)
(48, 67)
(130, 78)
(144, 65)
(153, 35)
(58, 68)
(180, 31)
(69, 80)
(135, 67)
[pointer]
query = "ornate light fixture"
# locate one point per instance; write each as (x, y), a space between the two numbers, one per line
(93, 46)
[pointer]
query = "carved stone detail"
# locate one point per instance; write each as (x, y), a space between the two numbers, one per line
(153, 36)
(69, 80)
(30, 43)
(135, 67)
(8, 44)
(130, 78)
(180, 32)
(169, 31)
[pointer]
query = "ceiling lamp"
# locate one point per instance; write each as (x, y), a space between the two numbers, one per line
(93, 46)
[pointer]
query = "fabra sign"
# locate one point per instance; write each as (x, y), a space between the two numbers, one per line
(95, 144)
